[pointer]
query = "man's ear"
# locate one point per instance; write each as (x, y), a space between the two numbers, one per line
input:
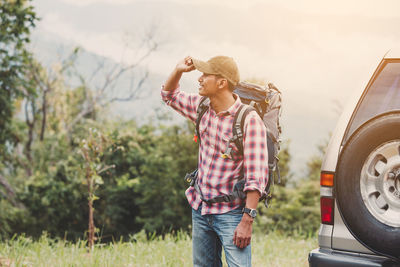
(222, 83)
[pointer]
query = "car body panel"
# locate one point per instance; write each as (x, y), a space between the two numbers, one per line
(325, 236)
(342, 239)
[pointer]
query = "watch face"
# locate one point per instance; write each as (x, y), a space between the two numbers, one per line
(253, 213)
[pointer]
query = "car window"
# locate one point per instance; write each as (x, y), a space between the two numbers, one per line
(382, 96)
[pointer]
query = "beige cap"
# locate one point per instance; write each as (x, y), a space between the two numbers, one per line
(221, 65)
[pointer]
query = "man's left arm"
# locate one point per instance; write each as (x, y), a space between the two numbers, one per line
(255, 168)
(242, 235)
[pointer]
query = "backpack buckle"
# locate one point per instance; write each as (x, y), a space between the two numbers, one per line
(191, 177)
(228, 152)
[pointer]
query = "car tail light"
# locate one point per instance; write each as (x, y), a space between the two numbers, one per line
(327, 178)
(327, 208)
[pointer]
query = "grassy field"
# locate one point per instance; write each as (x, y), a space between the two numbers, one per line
(270, 250)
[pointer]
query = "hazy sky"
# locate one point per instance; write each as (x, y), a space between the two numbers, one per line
(316, 52)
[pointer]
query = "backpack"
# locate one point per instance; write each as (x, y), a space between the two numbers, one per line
(266, 101)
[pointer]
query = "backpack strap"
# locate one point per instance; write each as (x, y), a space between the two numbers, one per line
(237, 130)
(236, 193)
(201, 109)
(238, 125)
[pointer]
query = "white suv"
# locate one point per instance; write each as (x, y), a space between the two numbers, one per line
(360, 178)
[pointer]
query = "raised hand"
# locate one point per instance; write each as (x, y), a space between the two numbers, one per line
(185, 65)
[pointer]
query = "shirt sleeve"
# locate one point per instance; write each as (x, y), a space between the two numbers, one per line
(255, 153)
(185, 103)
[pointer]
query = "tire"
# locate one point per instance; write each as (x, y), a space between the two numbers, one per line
(367, 185)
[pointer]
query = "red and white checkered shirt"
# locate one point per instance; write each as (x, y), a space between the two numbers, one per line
(217, 175)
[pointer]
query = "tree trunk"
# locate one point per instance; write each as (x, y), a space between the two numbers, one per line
(44, 115)
(90, 203)
(31, 126)
(91, 225)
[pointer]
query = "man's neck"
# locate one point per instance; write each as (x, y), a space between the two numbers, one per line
(222, 102)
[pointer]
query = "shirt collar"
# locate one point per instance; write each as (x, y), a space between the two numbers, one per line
(232, 109)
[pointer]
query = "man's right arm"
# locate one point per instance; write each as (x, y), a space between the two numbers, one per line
(186, 104)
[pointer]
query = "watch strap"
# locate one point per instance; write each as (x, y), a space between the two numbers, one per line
(251, 212)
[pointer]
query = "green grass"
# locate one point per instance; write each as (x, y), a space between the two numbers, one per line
(269, 250)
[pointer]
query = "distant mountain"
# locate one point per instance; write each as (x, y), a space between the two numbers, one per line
(50, 49)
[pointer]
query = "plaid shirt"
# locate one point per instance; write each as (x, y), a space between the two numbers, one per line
(218, 175)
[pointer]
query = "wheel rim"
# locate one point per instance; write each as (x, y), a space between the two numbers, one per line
(380, 183)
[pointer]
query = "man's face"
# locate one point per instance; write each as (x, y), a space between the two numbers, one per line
(209, 84)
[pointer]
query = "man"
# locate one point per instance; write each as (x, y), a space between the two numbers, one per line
(221, 224)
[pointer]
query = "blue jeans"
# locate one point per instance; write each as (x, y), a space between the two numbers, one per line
(210, 233)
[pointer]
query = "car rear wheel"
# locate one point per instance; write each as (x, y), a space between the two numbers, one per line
(368, 185)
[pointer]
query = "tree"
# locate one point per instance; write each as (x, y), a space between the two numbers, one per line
(16, 20)
(40, 85)
(92, 149)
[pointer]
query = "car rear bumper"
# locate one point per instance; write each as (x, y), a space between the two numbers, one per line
(334, 258)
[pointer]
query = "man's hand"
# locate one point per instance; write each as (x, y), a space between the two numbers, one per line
(242, 235)
(185, 65)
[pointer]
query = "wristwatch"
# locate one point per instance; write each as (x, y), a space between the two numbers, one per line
(251, 212)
